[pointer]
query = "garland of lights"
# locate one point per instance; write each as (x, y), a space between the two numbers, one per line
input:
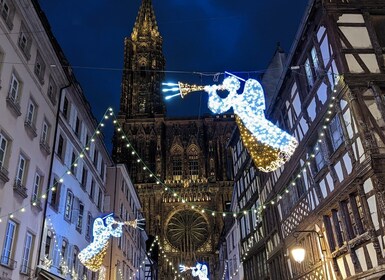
(92, 256)
(162, 253)
(53, 187)
(64, 269)
(140, 266)
(269, 146)
(258, 211)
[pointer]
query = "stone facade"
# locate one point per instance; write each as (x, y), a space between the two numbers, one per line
(186, 156)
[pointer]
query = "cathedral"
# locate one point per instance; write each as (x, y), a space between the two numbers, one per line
(188, 173)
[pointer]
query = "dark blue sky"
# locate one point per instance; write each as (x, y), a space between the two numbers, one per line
(198, 36)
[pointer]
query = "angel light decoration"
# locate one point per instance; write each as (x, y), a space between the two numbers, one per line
(269, 146)
(199, 270)
(92, 256)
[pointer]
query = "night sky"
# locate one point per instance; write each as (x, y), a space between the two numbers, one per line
(199, 37)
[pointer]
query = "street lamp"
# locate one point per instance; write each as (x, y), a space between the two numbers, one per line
(298, 252)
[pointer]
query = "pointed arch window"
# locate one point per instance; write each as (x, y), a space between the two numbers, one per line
(177, 163)
(193, 162)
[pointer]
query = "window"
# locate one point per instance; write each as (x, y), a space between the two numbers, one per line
(177, 168)
(55, 194)
(31, 111)
(96, 157)
(75, 259)
(66, 108)
(36, 187)
(336, 134)
(7, 12)
(21, 169)
(78, 127)
(45, 133)
(79, 223)
(68, 205)
(64, 248)
(87, 140)
(102, 169)
(84, 178)
(27, 252)
(14, 87)
(73, 164)
(100, 199)
(193, 167)
(88, 226)
(312, 67)
(318, 157)
(3, 150)
(4, 10)
(10, 234)
(92, 190)
(51, 92)
(39, 68)
(48, 242)
(24, 41)
(61, 148)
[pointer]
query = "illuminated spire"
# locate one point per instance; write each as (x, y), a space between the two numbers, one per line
(145, 24)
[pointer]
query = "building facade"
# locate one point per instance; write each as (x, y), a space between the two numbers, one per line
(329, 197)
(180, 167)
(31, 76)
(126, 258)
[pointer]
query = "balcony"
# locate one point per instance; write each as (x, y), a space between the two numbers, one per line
(44, 146)
(13, 105)
(20, 189)
(25, 270)
(37, 204)
(31, 128)
(3, 174)
(8, 262)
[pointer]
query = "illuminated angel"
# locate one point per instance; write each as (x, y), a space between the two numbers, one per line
(92, 256)
(269, 146)
(199, 270)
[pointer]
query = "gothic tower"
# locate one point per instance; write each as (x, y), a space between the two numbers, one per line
(188, 156)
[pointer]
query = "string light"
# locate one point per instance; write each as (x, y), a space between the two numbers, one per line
(158, 181)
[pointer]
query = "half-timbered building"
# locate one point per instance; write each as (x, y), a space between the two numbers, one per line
(329, 198)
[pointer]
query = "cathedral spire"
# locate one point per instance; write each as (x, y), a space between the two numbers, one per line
(144, 66)
(145, 24)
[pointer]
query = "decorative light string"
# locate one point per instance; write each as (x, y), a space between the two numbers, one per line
(143, 263)
(62, 265)
(53, 187)
(122, 136)
(109, 113)
(162, 253)
(224, 270)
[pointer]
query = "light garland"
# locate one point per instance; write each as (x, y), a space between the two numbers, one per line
(63, 266)
(162, 253)
(53, 188)
(109, 113)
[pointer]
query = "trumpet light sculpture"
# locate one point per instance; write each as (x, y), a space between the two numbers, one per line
(269, 146)
(92, 256)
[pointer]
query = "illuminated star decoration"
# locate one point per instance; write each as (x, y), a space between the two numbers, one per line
(269, 146)
(92, 256)
(199, 270)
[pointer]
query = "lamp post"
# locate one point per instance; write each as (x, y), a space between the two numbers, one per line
(298, 252)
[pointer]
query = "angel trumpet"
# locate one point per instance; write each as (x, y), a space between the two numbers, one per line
(185, 88)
